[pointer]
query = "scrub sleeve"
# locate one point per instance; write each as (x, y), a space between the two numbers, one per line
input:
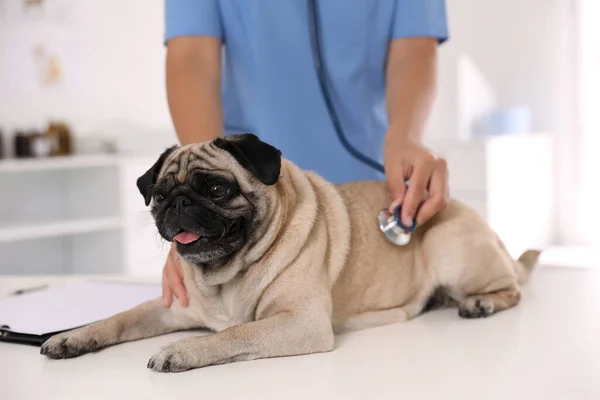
(420, 18)
(192, 18)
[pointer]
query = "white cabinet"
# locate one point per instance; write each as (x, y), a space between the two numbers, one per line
(60, 215)
(79, 214)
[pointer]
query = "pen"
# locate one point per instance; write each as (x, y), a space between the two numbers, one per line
(29, 290)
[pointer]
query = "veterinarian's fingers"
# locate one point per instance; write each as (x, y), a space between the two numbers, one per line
(397, 190)
(167, 294)
(171, 275)
(439, 193)
(416, 190)
(176, 279)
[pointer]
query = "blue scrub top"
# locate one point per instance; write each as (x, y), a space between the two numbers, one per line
(270, 85)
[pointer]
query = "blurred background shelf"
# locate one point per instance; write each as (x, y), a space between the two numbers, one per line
(61, 215)
(77, 214)
(58, 228)
(57, 163)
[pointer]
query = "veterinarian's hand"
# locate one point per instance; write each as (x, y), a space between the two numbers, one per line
(172, 280)
(427, 192)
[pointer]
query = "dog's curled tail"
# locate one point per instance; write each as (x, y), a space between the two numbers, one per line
(525, 265)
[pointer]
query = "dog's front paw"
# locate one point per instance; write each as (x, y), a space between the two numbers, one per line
(68, 345)
(476, 307)
(171, 358)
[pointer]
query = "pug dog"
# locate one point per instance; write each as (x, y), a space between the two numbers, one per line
(276, 260)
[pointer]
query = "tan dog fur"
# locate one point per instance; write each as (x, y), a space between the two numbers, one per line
(319, 266)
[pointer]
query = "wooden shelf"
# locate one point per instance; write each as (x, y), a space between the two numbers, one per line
(58, 228)
(58, 163)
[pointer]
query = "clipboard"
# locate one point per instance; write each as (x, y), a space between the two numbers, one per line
(6, 335)
(34, 317)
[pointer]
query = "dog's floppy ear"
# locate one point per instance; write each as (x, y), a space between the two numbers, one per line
(258, 157)
(146, 182)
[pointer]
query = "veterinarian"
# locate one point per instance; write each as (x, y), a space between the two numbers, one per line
(248, 66)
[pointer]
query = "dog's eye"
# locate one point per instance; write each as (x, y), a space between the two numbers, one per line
(158, 198)
(218, 191)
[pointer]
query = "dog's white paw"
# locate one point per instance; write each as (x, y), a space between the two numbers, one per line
(171, 358)
(68, 345)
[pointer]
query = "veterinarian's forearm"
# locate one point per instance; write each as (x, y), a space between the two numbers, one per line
(194, 88)
(410, 86)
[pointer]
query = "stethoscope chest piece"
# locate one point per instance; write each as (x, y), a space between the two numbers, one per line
(392, 227)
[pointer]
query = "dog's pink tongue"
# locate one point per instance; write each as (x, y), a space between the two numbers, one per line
(186, 237)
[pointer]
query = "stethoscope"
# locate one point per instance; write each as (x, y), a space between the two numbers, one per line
(389, 223)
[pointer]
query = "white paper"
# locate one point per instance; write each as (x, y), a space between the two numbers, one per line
(66, 307)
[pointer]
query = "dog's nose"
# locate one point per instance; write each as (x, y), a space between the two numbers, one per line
(181, 202)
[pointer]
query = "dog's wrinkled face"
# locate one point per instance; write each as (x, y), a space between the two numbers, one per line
(205, 196)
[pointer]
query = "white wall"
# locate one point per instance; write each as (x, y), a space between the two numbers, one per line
(115, 64)
(589, 85)
(519, 46)
(113, 59)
